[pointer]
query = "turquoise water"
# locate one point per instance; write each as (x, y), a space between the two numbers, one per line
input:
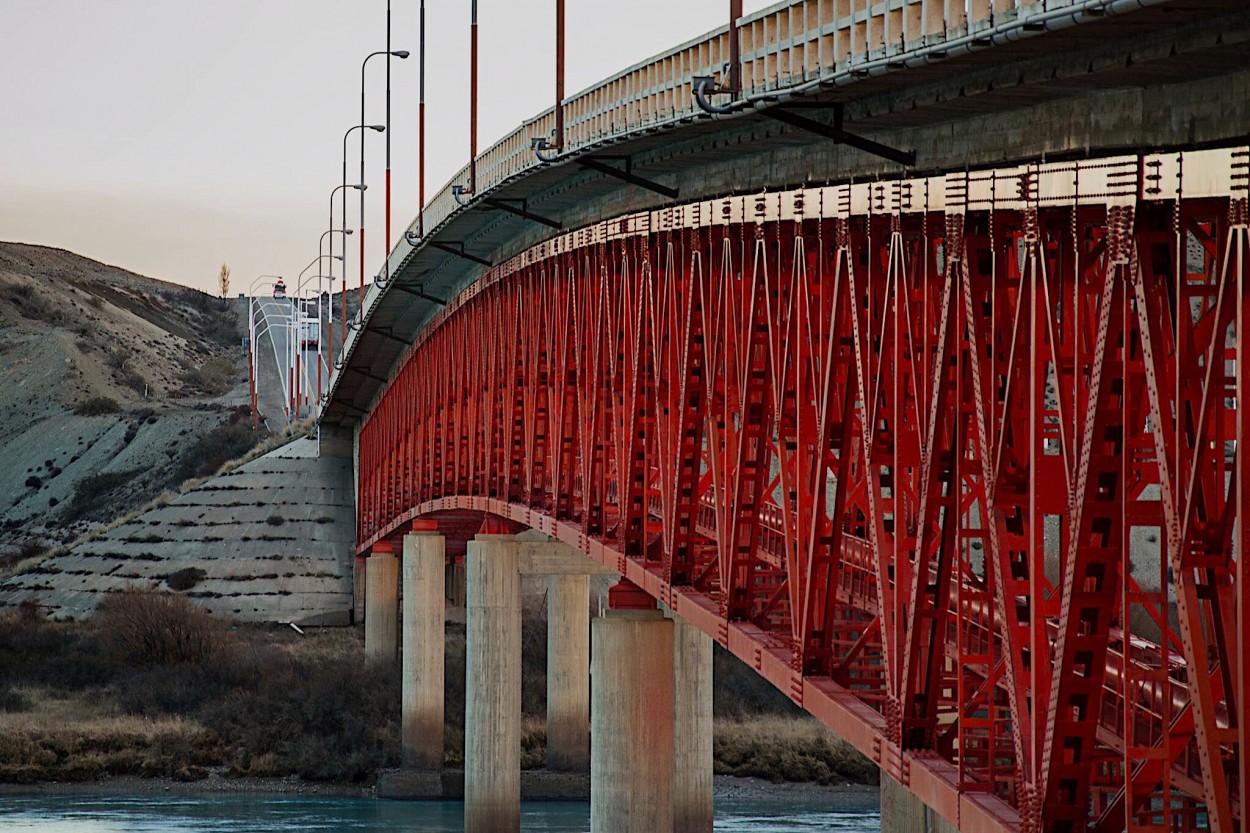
(46, 813)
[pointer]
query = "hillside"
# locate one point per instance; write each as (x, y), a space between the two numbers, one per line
(113, 387)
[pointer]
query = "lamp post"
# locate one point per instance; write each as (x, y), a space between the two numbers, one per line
(473, 100)
(316, 262)
(267, 326)
(261, 329)
(400, 53)
(421, 131)
(298, 291)
(460, 191)
(300, 318)
(344, 231)
(251, 347)
(380, 128)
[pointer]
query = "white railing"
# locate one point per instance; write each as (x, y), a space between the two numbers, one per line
(790, 47)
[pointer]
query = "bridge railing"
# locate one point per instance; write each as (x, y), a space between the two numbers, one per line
(789, 47)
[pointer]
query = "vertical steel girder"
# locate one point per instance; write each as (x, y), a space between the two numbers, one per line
(964, 451)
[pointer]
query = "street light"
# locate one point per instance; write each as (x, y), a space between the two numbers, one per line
(300, 314)
(360, 186)
(380, 128)
(300, 281)
(251, 346)
(317, 261)
(402, 54)
(259, 329)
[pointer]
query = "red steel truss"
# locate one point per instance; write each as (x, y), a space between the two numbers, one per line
(956, 462)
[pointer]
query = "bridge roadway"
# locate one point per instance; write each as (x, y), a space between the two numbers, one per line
(889, 441)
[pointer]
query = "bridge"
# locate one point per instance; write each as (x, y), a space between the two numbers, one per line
(894, 346)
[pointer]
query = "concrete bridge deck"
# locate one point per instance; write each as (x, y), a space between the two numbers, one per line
(938, 278)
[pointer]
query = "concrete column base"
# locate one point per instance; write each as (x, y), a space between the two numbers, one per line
(631, 773)
(692, 729)
(902, 812)
(358, 591)
(382, 604)
(456, 594)
(568, 673)
(492, 726)
(421, 733)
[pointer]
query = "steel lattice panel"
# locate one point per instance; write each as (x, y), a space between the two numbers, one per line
(901, 446)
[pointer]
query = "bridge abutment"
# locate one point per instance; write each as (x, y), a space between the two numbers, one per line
(422, 709)
(381, 603)
(492, 727)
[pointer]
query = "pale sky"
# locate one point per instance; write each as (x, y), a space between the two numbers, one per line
(168, 136)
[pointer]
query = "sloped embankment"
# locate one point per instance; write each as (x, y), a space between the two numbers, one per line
(108, 383)
(269, 541)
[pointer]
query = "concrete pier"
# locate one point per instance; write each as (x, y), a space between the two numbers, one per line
(631, 775)
(358, 590)
(692, 729)
(903, 812)
(568, 673)
(421, 734)
(381, 604)
(492, 729)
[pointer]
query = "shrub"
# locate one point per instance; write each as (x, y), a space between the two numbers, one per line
(92, 492)
(33, 482)
(133, 380)
(216, 448)
(275, 520)
(213, 376)
(185, 578)
(144, 629)
(167, 689)
(321, 720)
(97, 406)
(34, 306)
(12, 700)
(34, 651)
(28, 549)
(787, 749)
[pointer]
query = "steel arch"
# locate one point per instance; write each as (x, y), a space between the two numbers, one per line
(902, 446)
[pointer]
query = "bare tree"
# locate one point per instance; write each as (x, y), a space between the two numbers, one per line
(223, 281)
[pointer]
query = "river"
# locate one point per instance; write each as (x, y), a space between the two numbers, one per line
(75, 813)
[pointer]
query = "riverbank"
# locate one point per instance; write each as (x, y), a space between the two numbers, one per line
(154, 688)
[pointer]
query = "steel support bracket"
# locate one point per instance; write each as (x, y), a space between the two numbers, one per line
(456, 247)
(837, 134)
(626, 174)
(386, 334)
(510, 205)
(360, 372)
(419, 292)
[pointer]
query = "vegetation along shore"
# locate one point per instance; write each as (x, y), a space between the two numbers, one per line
(152, 687)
